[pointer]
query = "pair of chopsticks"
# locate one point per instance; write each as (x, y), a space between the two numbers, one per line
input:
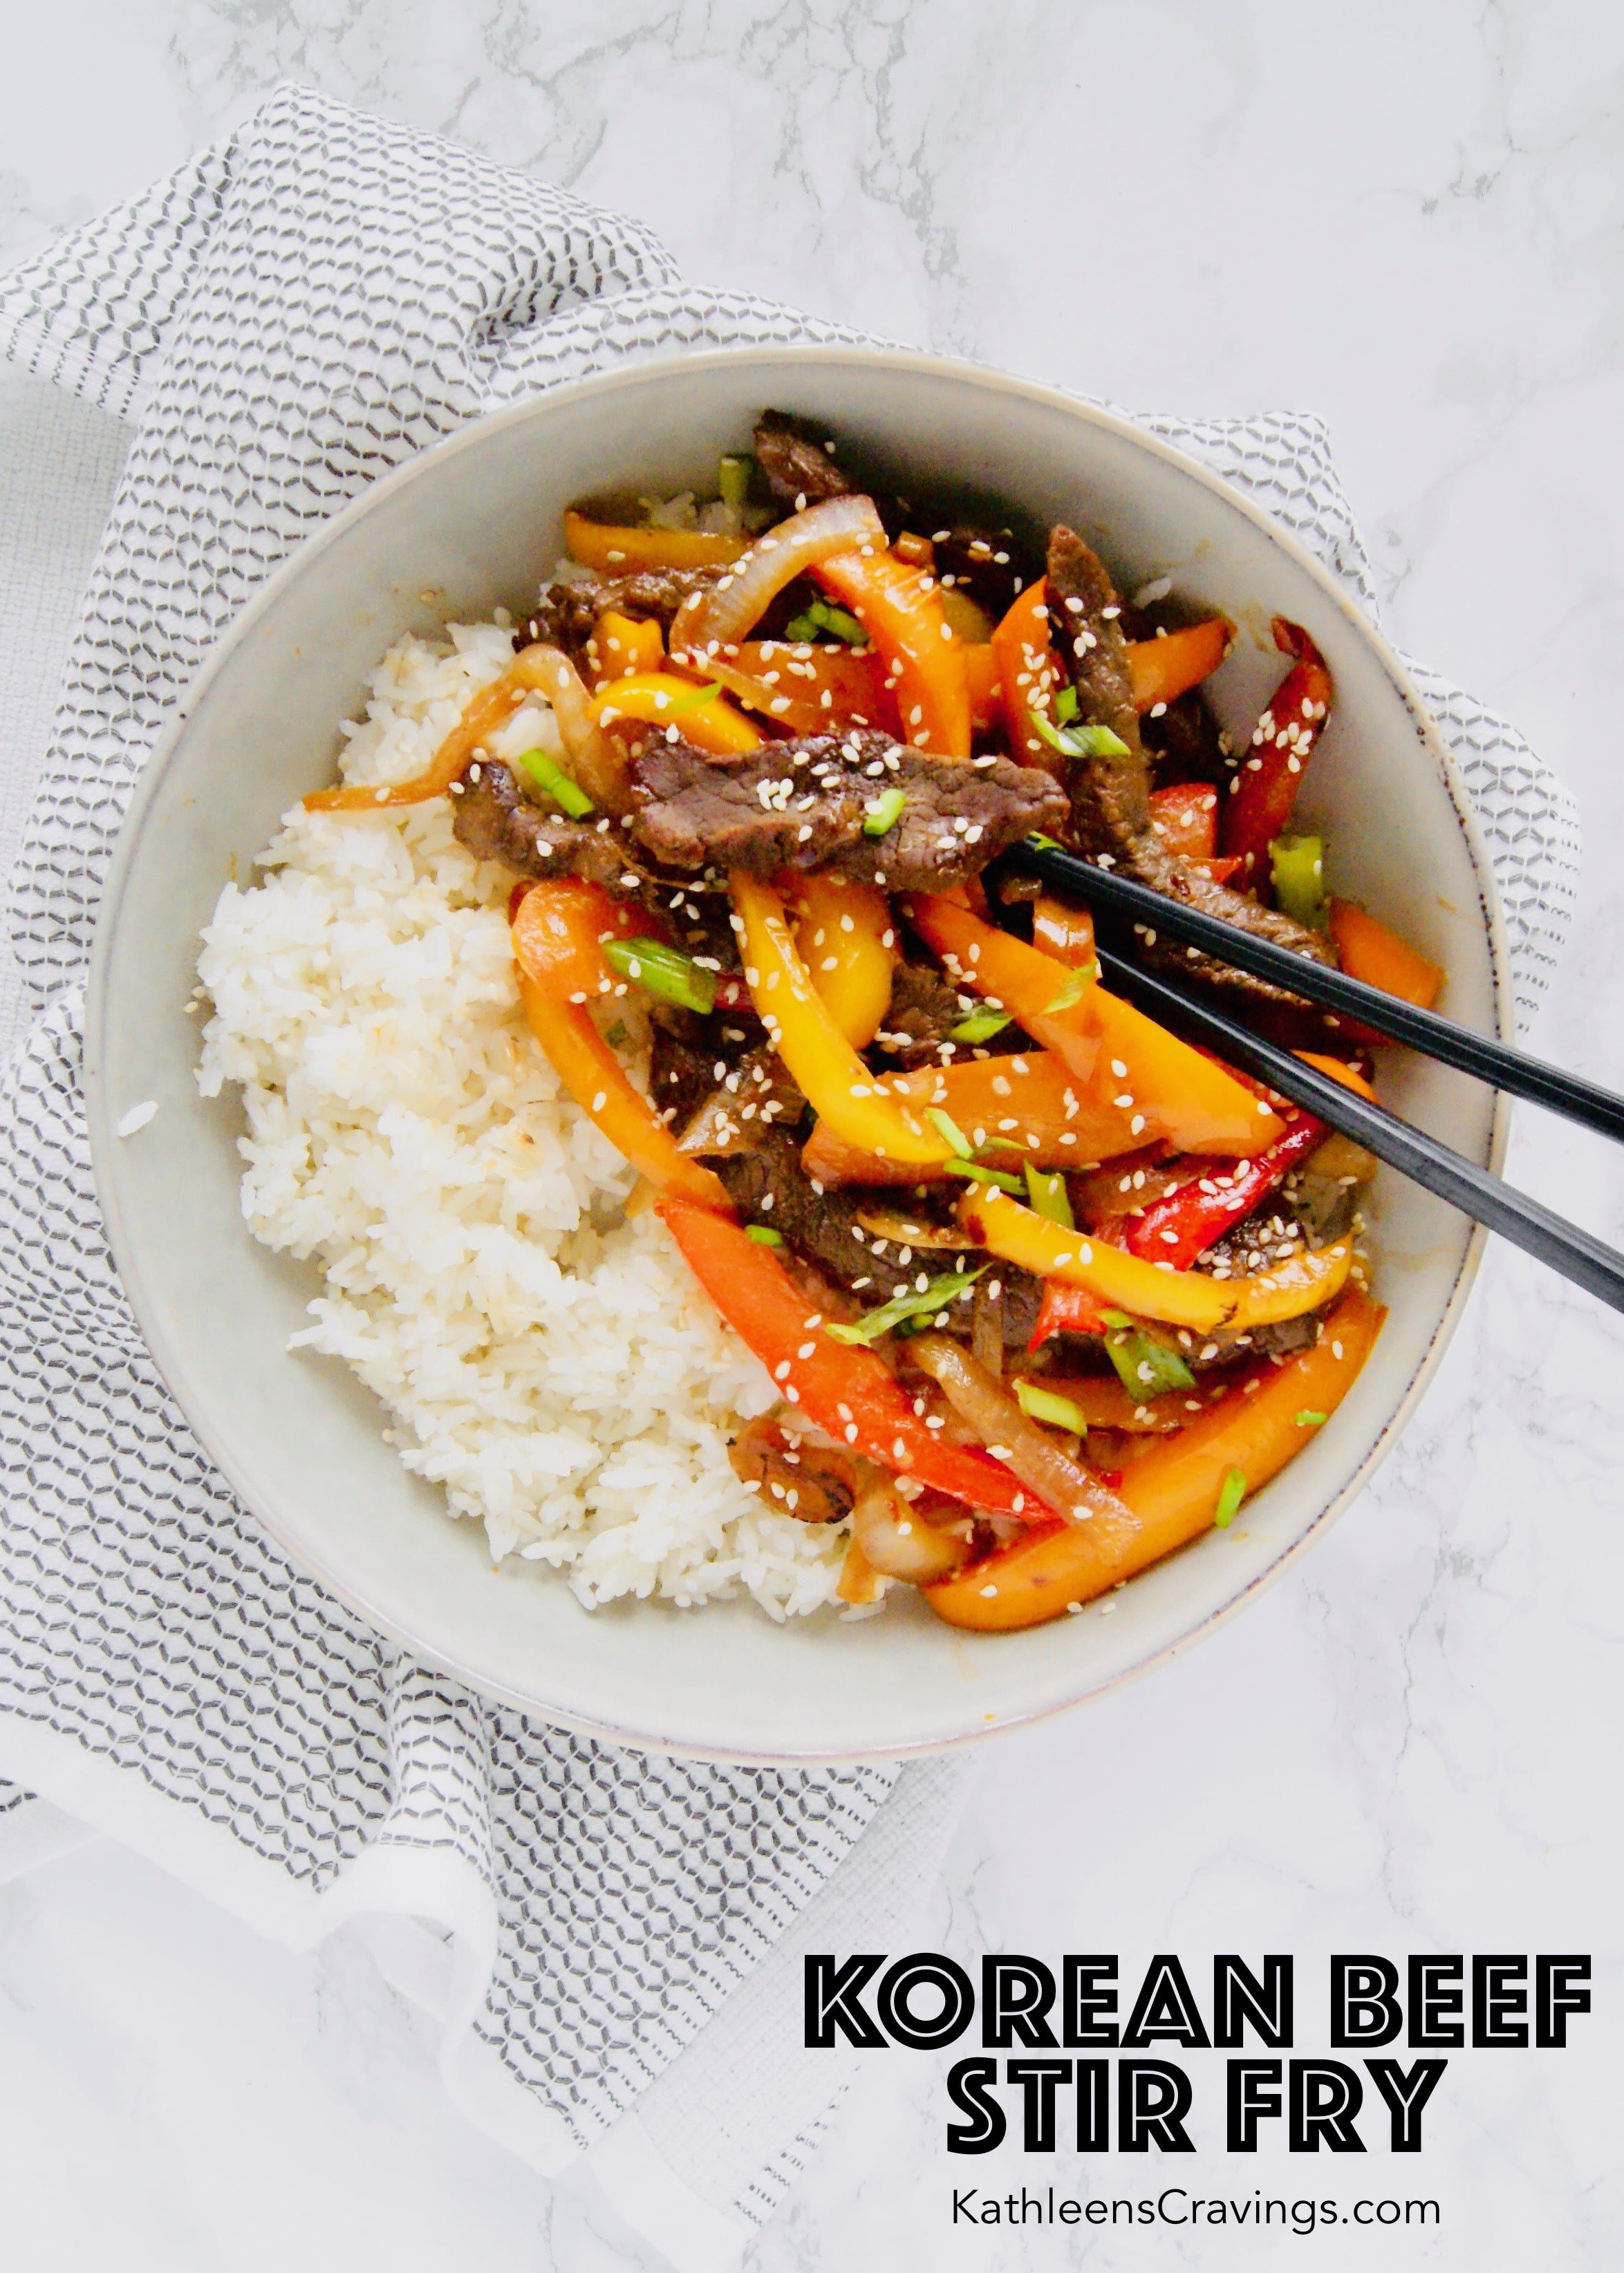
(1588, 1262)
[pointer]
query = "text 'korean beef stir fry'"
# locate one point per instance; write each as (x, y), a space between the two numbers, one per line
(1045, 1290)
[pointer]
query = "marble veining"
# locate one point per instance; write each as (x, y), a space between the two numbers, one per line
(1408, 220)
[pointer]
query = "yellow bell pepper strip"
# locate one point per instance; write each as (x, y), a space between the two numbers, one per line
(659, 698)
(992, 1219)
(1014, 1111)
(901, 609)
(557, 955)
(621, 646)
(1367, 949)
(1198, 1103)
(1174, 1488)
(1051, 1001)
(619, 551)
(845, 936)
(834, 1080)
(1161, 670)
(849, 1392)
(489, 710)
(1304, 1282)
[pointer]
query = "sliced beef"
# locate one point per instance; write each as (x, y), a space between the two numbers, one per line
(800, 470)
(747, 1098)
(497, 821)
(767, 1185)
(802, 805)
(567, 611)
(1110, 794)
(1186, 744)
(920, 1016)
(983, 563)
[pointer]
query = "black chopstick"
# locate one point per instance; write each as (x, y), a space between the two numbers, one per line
(1588, 1262)
(1333, 990)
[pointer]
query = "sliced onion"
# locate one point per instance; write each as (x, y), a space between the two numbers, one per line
(1063, 1484)
(898, 1541)
(738, 601)
(596, 758)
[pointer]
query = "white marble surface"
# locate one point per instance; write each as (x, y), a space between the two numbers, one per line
(1404, 216)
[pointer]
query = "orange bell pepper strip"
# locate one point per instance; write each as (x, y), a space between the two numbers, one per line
(1174, 1488)
(558, 958)
(1053, 1002)
(1161, 670)
(1367, 949)
(659, 698)
(621, 646)
(834, 1080)
(845, 936)
(901, 609)
(810, 687)
(488, 711)
(846, 1390)
(1190, 1099)
(620, 552)
(1026, 674)
(1064, 932)
(1263, 789)
(1012, 1110)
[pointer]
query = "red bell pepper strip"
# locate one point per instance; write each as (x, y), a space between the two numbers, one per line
(848, 1392)
(1264, 790)
(1185, 818)
(1184, 1223)
(1066, 1310)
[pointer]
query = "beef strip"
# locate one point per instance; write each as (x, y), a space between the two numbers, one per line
(567, 611)
(920, 1017)
(1110, 795)
(984, 564)
(802, 805)
(497, 821)
(799, 470)
(768, 1185)
(1186, 744)
(745, 1100)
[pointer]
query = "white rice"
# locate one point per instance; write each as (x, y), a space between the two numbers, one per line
(550, 1364)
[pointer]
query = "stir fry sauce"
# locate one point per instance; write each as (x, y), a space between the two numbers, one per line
(1036, 1281)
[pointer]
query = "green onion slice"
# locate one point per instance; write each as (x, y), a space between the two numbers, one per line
(1046, 1405)
(918, 1304)
(980, 1026)
(763, 1234)
(1307, 1420)
(1079, 741)
(548, 774)
(823, 619)
(1065, 705)
(1231, 1492)
(1144, 1366)
(732, 479)
(701, 694)
(977, 1175)
(883, 814)
(1046, 1196)
(949, 1130)
(663, 971)
(1072, 991)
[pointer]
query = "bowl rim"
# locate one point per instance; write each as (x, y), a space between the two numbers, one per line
(424, 464)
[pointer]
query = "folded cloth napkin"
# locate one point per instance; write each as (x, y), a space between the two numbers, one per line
(611, 1940)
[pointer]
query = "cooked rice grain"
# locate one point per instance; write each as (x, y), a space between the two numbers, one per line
(553, 1366)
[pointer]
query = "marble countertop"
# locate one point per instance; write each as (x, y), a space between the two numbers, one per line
(1403, 218)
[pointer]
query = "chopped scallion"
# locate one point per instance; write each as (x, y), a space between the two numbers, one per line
(1307, 1420)
(1144, 1366)
(1048, 1405)
(1071, 991)
(948, 1131)
(548, 774)
(886, 811)
(763, 1233)
(824, 620)
(663, 971)
(977, 1175)
(701, 694)
(1046, 1196)
(980, 1026)
(1231, 1492)
(732, 479)
(1079, 741)
(1065, 705)
(919, 1304)
(1299, 868)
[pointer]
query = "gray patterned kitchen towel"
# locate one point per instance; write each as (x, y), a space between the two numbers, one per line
(612, 1940)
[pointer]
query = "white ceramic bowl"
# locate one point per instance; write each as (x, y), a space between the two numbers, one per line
(474, 523)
